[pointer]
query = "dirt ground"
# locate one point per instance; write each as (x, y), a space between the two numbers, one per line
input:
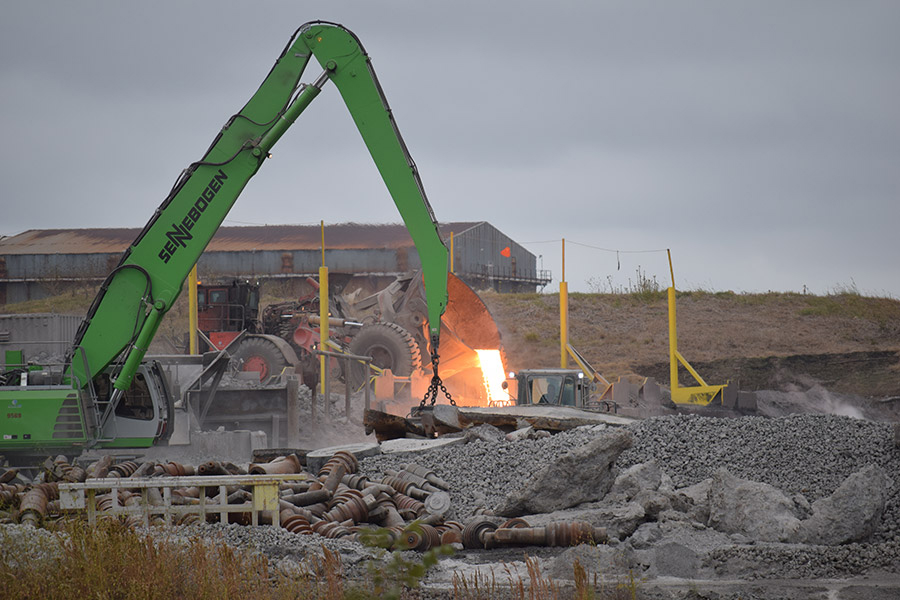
(846, 343)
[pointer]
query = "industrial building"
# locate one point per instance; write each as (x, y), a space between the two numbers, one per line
(42, 262)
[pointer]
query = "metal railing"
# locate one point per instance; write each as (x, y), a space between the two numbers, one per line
(348, 359)
(155, 498)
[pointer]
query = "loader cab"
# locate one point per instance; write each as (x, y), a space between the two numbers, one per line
(551, 387)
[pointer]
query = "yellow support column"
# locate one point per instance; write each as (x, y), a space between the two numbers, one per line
(323, 313)
(563, 313)
(673, 345)
(192, 311)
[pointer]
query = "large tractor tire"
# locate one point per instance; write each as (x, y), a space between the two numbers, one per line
(261, 355)
(389, 345)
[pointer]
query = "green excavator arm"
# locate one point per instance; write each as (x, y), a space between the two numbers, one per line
(126, 314)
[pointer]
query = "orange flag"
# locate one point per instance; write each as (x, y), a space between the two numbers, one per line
(505, 252)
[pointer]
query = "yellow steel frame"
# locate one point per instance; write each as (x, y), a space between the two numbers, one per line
(699, 395)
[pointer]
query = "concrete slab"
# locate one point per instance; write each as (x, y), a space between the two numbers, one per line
(401, 446)
(552, 417)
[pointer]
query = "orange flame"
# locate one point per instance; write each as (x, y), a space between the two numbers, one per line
(493, 376)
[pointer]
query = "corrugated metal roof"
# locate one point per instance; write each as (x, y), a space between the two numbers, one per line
(227, 239)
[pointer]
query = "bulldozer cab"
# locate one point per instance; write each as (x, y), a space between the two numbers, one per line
(552, 387)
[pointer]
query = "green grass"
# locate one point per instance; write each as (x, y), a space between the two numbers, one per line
(111, 560)
(75, 302)
(849, 305)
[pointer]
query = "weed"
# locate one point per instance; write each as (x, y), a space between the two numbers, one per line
(113, 561)
(480, 586)
(477, 587)
(392, 576)
(644, 288)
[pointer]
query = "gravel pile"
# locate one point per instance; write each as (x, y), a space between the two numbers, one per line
(806, 454)
(481, 473)
(24, 544)
(774, 561)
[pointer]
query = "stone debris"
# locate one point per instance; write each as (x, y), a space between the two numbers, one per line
(758, 511)
(584, 474)
(852, 513)
(791, 498)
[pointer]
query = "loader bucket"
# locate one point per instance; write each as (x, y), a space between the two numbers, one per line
(466, 326)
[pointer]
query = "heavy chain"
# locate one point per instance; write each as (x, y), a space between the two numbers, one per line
(435, 381)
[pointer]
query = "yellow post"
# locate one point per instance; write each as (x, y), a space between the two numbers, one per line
(563, 313)
(192, 311)
(451, 251)
(323, 312)
(671, 270)
(673, 344)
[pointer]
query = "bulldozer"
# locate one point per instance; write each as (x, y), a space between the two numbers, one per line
(389, 325)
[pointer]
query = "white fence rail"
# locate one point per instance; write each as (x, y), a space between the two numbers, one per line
(152, 497)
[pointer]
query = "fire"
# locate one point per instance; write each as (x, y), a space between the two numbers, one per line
(493, 376)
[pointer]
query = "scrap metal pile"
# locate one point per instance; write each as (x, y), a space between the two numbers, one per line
(404, 509)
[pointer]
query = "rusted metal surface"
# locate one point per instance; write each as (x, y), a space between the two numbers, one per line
(268, 237)
(340, 464)
(7, 475)
(173, 469)
(33, 507)
(308, 497)
(99, 468)
(474, 534)
(388, 427)
(212, 467)
(569, 533)
(283, 464)
(295, 523)
(466, 325)
(301, 503)
(427, 474)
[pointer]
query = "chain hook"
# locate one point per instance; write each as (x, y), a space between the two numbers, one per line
(436, 381)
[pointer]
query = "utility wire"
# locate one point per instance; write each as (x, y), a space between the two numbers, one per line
(617, 251)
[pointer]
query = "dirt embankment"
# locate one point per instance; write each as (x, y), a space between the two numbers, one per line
(845, 342)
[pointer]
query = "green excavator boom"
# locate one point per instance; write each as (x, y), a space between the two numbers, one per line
(126, 314)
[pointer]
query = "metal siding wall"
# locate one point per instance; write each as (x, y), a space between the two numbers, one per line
(480, 247)
(59, 265)
(307, 261)
(474, 250)
(49, 334)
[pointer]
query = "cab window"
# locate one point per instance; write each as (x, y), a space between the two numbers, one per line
(218, 296)
(568, 394)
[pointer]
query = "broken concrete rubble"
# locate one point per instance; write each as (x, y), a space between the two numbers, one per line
(851, 514)
(763, 513)
(634, 479)
(485, 433)
(757, 510)
(585, 474)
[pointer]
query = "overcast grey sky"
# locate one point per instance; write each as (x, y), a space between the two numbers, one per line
(760, 141)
